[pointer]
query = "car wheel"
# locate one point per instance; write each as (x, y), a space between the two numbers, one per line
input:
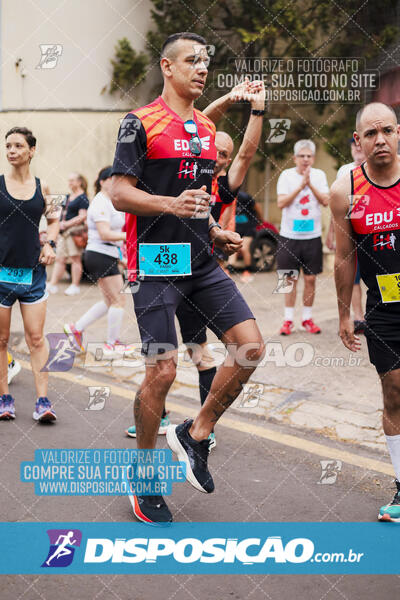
(263, 252)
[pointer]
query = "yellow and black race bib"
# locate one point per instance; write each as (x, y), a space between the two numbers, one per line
(389, 286)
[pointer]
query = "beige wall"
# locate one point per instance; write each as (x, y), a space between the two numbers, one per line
(74, 141)
(88, 32)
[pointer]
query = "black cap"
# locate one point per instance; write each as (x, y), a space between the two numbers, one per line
(105, 173)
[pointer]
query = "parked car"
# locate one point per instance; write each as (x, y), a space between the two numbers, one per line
(263, 249)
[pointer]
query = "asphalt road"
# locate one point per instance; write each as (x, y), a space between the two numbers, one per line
(262, 472)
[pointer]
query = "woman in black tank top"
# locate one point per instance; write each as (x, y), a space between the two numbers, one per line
(23, 264)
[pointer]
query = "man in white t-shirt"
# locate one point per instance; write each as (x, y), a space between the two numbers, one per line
(301, 192)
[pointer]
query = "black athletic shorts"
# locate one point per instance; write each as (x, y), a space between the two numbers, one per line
(383, 347)
(192, 331)
(300, 254)
(99, 265)
(214, 297)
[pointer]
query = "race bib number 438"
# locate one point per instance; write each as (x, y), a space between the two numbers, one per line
(168, 260)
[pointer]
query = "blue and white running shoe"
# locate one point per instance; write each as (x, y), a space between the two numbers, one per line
(7, 409)
(44, 412)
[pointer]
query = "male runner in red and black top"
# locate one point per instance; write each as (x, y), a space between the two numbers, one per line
(163, 169)
(225, 186)
(366, 211)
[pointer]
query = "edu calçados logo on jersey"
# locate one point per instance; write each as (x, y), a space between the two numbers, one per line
(183, 145)
(63, 543)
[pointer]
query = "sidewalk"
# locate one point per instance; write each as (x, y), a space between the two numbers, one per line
(306, 381)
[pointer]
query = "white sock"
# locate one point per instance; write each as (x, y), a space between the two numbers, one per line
(307, 313)
(289, 313)
(393, 442)
(97, 311)
(114, 318)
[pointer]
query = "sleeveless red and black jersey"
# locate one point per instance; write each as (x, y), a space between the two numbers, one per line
(154, 147)
(375, 219)
(221, 195)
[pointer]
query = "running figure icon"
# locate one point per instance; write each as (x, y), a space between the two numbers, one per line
(62, 549)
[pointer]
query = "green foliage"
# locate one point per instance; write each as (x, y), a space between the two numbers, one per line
(129, 67)
(278, 28)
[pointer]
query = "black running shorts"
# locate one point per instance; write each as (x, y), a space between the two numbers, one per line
(300, 254)
(99, 265)
(383, 348)
(214, 297)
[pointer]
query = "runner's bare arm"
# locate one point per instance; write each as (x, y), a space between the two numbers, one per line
(107, 234)
(287, 199)
(239, 93)
(251, 139)
(227, 215)
(126, 197)
(78, 220)
(228, 241)
(52, 215)
(345, 259)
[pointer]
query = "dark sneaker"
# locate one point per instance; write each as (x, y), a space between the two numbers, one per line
(150, 509)
(391, 512)
(7, 409)
(193, 454)
(359, 326)
(44, 411)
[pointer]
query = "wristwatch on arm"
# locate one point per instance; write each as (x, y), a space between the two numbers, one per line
(214, 224)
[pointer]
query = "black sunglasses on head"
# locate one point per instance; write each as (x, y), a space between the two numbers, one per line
(195, 142)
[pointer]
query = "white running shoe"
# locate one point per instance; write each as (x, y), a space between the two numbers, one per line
(72, 290)
(52, 289)
(126, 350)
(112, 351)
(13, 369)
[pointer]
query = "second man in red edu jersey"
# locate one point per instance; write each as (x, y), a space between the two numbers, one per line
(163, 168)
(366, 211)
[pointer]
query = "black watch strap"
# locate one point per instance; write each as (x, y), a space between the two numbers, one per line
(215, 224)
(52, 243)
(257, 113)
